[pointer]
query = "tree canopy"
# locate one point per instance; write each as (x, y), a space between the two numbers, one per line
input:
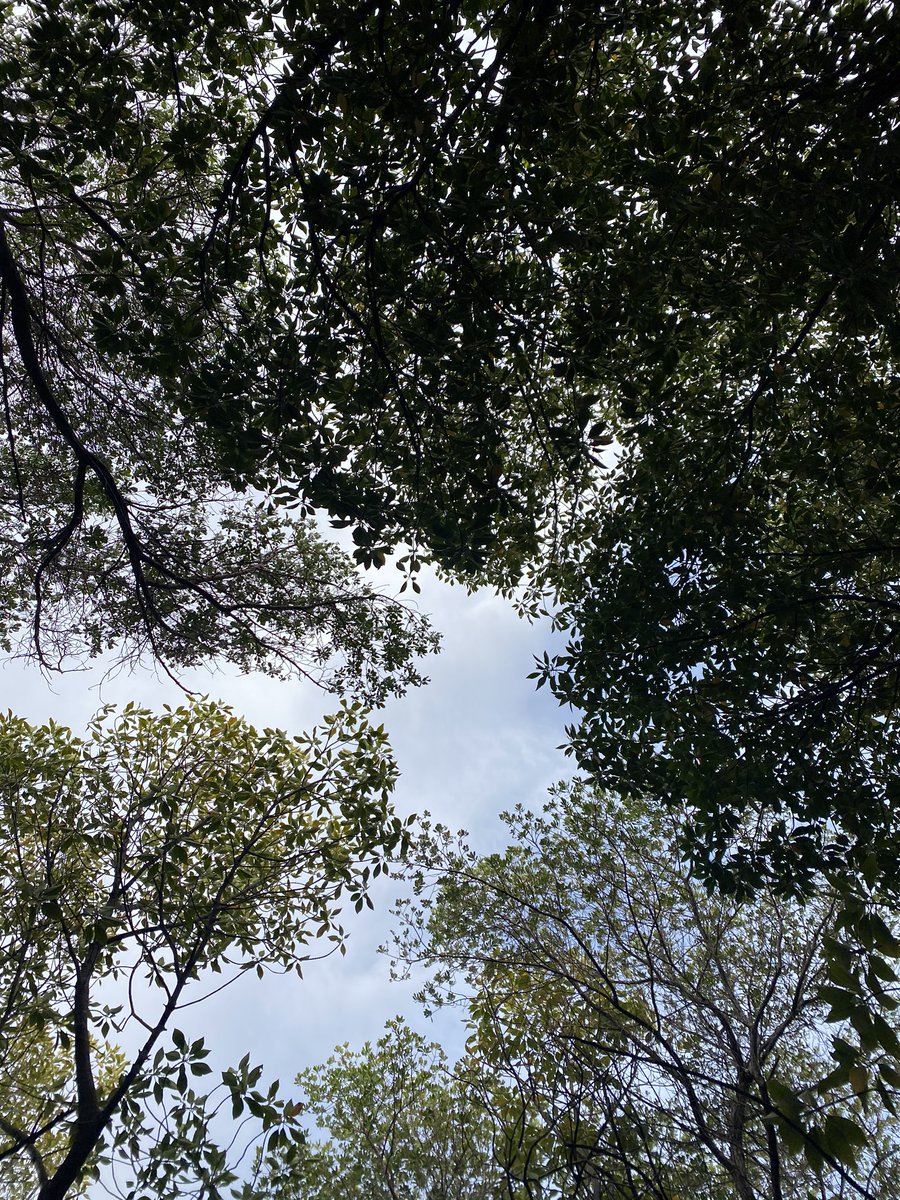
(603, 299)
(140, 867)
(633, 1035)
(32, 1073)
(390, 1122)
(600, 300)
(205, 247)
(125, 525)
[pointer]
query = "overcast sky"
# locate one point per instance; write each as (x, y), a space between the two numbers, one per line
(476, 740)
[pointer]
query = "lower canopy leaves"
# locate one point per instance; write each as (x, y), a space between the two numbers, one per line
(142, 866)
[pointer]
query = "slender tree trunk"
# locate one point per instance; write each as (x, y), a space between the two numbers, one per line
(736, 1137)
(69, 1170)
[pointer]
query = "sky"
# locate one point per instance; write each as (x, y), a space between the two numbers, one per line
(477, 739)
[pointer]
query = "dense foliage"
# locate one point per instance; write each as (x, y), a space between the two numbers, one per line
(390, 1122)
(209, 250)
(602, 300)
(417, 265)
(134, 863)
(633, 1035)
(124, 522)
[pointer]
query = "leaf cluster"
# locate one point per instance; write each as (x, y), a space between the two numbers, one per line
(631, 1031)
(156, 858)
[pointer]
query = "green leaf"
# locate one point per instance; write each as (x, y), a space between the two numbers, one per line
(842, 1138)
(859, 1079)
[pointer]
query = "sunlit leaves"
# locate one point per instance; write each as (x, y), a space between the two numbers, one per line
(134, 861)
(397, 1122)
